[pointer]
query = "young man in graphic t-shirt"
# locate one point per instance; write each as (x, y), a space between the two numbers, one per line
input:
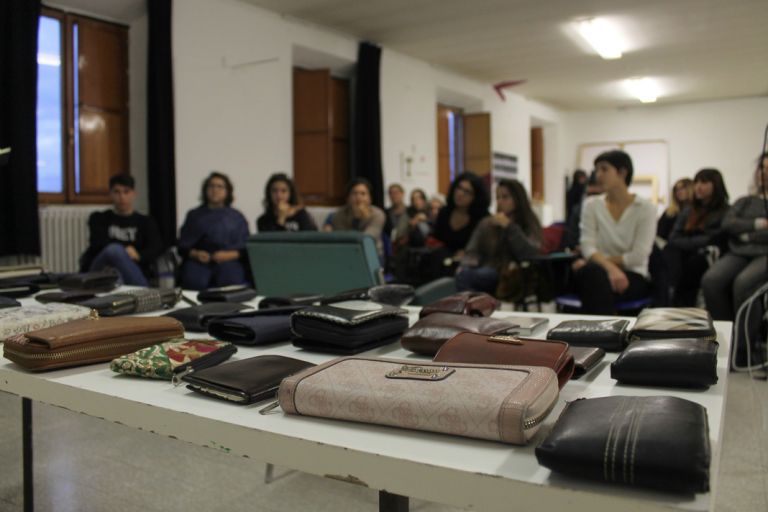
(122, 238)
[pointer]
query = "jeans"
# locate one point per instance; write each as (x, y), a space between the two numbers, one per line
(199, 276)
(477, 279)
(115, 256)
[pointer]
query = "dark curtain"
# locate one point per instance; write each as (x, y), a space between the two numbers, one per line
(161, 164)
(19, 226)
(367, 141)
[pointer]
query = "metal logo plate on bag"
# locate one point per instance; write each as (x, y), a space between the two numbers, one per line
(506, 338)
(432, 373)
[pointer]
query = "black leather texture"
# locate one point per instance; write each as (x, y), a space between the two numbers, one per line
(610, 335)
(683, 362)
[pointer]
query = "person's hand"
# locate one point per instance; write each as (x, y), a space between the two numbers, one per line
(361, 211)
(761, 223)
(284, 210)
(418, 218)
(201, 256)
(578, 264)
(132, 252)
(501, 220)
(618, 279)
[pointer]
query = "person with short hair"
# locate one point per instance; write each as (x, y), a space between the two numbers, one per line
(359, 214)
(212, 238)
(282, 209)
(122, 238)
(617, 234)
(397, 209)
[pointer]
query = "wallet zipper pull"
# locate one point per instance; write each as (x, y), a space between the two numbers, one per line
(269, 408)
(176, 379)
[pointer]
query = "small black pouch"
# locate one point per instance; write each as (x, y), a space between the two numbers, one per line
(683, 362)
(658, 323)
(660, 442)
(71, 297)
(348, 327)
(129, 302)
(7, 302)
(585, 359)
(246, 381)
(610, 335)
(254, 327)
(289, 300)
(96, 281)
(196, 318)
(232, 293)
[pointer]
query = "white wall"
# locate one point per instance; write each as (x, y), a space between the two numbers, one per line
(233, 66)
(726, 135)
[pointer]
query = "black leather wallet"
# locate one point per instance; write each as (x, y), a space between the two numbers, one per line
(654, 441)
(610, 335)
(96, 281)
(658, 323)
(232, 293)
(348, 327)
(585, 359)
(129, 302)
(289, 300)
(70, 297)
(254, 327)
(196, 318)
(246, 381)
(683, 362)
(7, 302)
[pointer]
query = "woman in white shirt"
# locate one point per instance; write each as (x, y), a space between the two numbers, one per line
(617, 234)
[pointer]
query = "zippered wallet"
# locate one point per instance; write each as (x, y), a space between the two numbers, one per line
(88, 341)
(499, 403)
(657, 323)
(170, 360)
(245, 381)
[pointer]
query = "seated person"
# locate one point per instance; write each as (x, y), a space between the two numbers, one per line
(213, 238)
(696, 228)
(572, 234)
(617, 234)
(397, 210)
(736, 275)
(415, 222)
(513, 234)
(282, 211)
(436, 203)
(122, 238)
(359, 214)
(468, 204)
(680, 198)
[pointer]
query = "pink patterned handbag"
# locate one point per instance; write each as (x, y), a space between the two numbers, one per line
(499, 403)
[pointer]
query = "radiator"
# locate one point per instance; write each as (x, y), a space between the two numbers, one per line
(64, 236)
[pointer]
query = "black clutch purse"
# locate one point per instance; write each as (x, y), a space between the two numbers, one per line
(130, 302)
(232, 293)
(348, 327)
(658, 323)
(684, 362)
(246, 381)
(70, 297)
(254, 327)
(660, 442)
(610, 335)
(196, 318)
(96, 281)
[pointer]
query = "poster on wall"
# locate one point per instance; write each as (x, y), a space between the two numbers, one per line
(504, 166)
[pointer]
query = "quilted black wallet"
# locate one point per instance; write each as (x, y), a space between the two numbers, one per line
(246, 381)
(683, 362)
(660, 442)
(348, 327)
(610, 335)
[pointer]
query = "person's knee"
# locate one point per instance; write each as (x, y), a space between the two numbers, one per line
(114, 250)
(742, 286)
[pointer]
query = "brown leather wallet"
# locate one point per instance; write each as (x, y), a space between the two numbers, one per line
(463, 303)
(508, 349)
(88, 341)
(585, 358)
(428, 334)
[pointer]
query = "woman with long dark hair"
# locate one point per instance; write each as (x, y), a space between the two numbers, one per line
(467, 204)
(359, 214)
(512, 234)
(282, 208)
(697, 228)
(212, 239)
(735, 276)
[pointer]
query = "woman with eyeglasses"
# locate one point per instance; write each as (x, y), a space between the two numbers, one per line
(467, 205)
(212, 238)
(697, 228)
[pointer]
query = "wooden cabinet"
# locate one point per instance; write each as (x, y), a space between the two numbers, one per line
(320, 136)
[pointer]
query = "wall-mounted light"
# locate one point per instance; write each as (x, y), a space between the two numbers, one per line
(602, 36)
(645, 89)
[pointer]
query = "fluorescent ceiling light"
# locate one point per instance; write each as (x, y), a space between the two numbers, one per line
(602, 36)
(48, 59)
(644, 89)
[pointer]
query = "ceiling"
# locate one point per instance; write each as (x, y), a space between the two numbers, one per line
(695, 49)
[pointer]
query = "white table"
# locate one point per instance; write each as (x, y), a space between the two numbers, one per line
(452, 470)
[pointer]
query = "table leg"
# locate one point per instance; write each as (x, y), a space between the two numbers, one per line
(392, 502)
(26, 434)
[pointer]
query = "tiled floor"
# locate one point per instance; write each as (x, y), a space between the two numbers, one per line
(86, 464)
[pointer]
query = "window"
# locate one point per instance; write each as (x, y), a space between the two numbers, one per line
(82, 107)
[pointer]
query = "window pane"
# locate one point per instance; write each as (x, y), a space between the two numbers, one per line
(76, 103)
(50, 174)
